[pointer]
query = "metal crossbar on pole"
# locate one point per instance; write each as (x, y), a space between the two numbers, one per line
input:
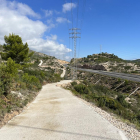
(74, 36)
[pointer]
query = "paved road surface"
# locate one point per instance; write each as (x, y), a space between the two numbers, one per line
(63, 73)
(130, 77)
(41, 62)
(58, 115)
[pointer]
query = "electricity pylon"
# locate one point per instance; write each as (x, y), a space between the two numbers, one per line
(74, 36)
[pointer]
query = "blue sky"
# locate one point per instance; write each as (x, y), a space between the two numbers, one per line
(114, 24)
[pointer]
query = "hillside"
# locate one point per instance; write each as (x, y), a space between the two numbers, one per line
(117, 96)
(48, 61)
(110, 62)
(20, 84)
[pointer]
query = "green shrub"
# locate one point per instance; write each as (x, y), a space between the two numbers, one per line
(129, 88)
(74, 83)
(126, 82)
(134, 72)
(127, 67)
(100, 88)
(110, 103)
(101, 102)
(86, 82)
(121, 100)
(31, 82)
(23, 85)
(56, 77)
(8, 72)
(82, 89)
(119, 80)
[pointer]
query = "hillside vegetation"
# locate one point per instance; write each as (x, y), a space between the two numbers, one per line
(20, 76)
(110, 62)
(109, 93)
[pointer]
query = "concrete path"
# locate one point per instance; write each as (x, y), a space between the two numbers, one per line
(58, 115)
(41, 62)
(63, 74)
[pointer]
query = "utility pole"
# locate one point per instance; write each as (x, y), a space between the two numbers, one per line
(74, 36)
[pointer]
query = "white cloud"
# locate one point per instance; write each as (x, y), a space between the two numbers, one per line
(48, 46)
(48, 13)
(56, 12)
(67, 58)
(26, 10)
(50, 24)
(49, 21)
(52, 37)
(68, 7)
(62, 20)
(13, 20)
(21, 8)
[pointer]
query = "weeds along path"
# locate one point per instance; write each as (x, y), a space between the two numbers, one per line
(56, 114)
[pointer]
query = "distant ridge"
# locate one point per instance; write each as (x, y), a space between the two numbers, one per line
(110, 62)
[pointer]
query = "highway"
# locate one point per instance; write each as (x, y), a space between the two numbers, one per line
(135, 78)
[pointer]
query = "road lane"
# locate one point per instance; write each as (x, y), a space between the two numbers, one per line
(130, 77)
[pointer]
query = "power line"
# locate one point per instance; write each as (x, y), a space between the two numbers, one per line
(72, 13)
(77, 12)
(67, 17)
(83, 11)
(70, 48)
(74, 36)
(79, 47)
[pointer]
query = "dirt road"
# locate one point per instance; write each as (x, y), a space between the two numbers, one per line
(58, 115)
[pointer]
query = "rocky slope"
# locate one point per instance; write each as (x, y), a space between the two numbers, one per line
(48, 61)
(110, 62)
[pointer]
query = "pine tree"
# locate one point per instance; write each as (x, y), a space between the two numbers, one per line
(15, 49)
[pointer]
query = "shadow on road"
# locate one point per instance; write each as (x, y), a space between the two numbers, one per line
(64, 132)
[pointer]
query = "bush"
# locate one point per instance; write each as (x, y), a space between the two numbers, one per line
(119, 80)
(86, 82)
(74, 83)
(8, 72)
(100, 88)
(127, 67)
(82, 89)
(126, 82)
(57, 77)
(121, 100)
(101, 102)
(110, 103)
(31, 82)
